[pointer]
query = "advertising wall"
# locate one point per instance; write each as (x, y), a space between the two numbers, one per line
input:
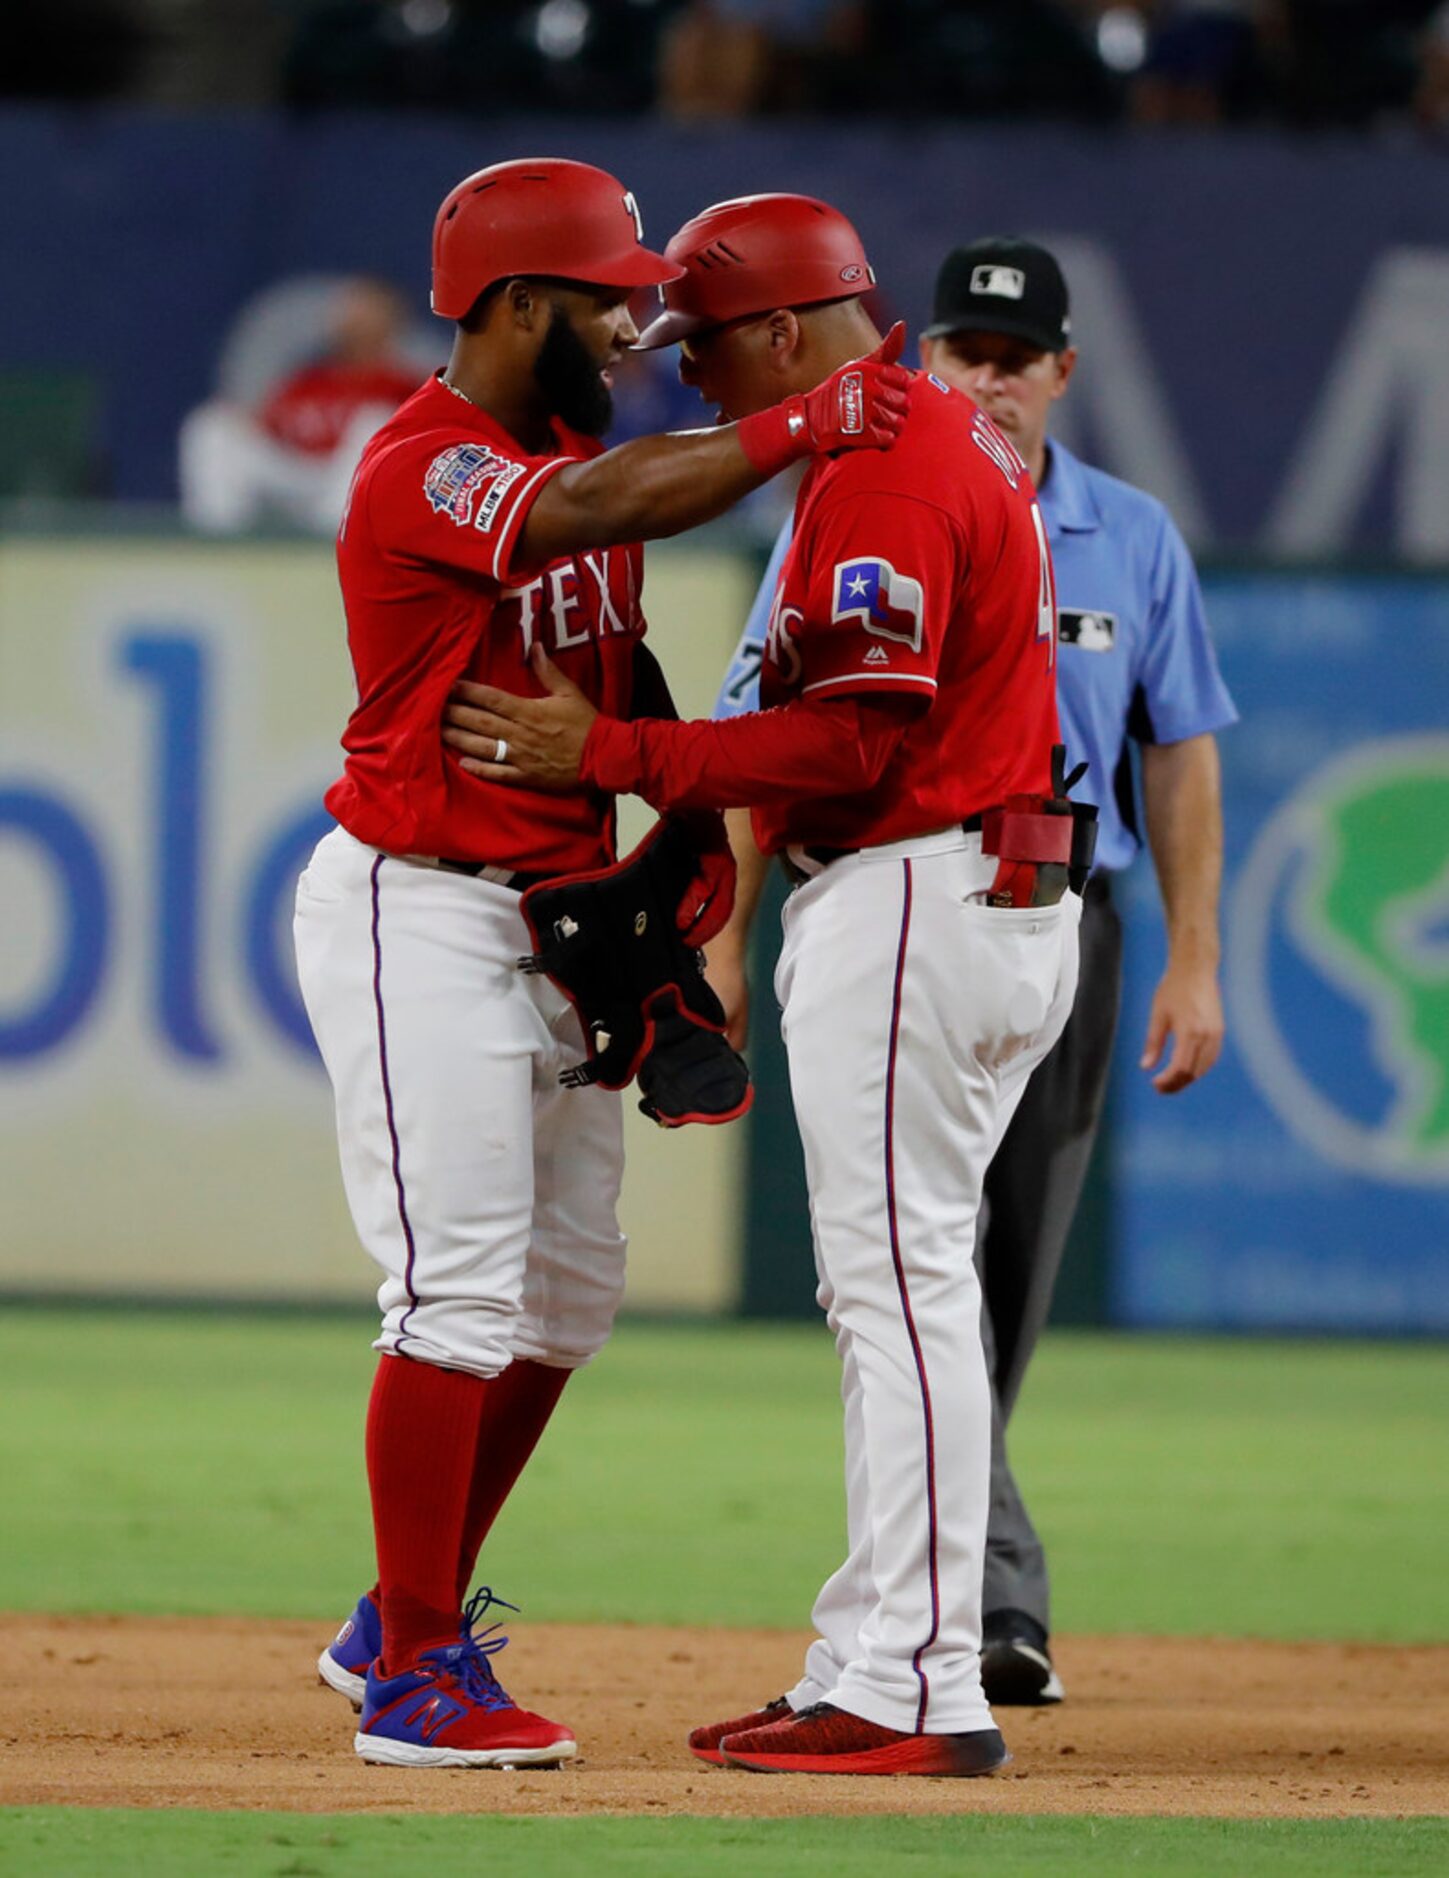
(168, 720)
(169, 712)
(1305, 1183)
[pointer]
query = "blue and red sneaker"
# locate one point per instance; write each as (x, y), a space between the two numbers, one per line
(450, 1710)
(344, 1663)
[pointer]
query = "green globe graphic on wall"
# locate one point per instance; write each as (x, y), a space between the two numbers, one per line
(1338, 960)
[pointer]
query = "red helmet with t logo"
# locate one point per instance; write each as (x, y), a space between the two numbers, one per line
(539, 216)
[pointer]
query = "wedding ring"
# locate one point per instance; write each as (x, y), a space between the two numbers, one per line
(500, 752)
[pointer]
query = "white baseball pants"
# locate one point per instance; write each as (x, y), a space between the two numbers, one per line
(913, 1016)
(484, 1190)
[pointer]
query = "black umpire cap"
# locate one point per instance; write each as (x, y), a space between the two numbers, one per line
(1001, 285)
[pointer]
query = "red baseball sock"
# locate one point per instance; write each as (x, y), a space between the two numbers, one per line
(422, 1436)
(516, 1412)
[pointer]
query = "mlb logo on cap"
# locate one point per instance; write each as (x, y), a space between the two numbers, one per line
(1008, 282)
(1002, 284)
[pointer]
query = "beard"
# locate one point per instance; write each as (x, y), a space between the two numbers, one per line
(568, 376)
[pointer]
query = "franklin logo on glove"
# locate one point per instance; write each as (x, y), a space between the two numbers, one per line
(852, 404)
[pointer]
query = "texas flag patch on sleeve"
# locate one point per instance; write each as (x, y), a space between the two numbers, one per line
(891, 605)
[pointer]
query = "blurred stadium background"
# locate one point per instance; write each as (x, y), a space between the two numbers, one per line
(1251, 202)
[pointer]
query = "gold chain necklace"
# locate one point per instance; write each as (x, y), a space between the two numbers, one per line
(448, 385)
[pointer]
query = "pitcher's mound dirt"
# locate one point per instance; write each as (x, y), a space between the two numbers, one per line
(228, 1713)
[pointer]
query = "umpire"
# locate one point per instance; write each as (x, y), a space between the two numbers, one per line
(1135, 662)
(1135, 665)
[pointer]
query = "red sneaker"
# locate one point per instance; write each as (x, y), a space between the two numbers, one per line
(825, 1740)
(705, 1741)
(450, 1710)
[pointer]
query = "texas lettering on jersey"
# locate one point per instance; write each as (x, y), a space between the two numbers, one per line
(781, 653)
(592, 596)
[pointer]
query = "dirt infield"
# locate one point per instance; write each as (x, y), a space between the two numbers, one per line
(223, 1713)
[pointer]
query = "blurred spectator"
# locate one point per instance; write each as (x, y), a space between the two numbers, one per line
(213, 52)
(1306, 63)
(990, 58)
(1349, 61)
(1200, 64)
(475, 55)
(738, 58)
(1431, 94)
(290, 456)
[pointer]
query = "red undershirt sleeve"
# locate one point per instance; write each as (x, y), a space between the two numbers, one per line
(808, 747)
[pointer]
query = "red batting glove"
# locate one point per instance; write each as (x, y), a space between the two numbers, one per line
(862, 406)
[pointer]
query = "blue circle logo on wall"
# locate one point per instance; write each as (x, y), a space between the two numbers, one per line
(1338, 961)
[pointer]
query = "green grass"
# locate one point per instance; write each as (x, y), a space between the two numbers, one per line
(166, 1462)
(39, 1842)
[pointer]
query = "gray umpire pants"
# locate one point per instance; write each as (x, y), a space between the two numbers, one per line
(1032, 1190)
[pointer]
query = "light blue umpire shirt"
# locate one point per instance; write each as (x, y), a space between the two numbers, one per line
(1135, 658)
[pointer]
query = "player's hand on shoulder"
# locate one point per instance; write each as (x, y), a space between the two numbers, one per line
(1188, 1008)
(505, 738)
(862, 405)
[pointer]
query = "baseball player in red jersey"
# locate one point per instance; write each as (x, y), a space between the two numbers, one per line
(929, 958)
(484, 521)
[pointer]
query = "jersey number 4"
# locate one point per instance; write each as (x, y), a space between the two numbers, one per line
(1046, 599)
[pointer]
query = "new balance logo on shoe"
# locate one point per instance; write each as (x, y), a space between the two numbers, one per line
(435, 1713)
(450, 1710)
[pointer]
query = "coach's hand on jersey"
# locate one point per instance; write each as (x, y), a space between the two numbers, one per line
(504, 738)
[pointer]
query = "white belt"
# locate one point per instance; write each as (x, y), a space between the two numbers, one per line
(937, 841)
(500, 876)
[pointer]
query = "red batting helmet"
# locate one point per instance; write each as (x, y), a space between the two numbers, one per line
(755, 254)
(539, 216)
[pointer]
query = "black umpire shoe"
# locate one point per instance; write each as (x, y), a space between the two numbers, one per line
(1016, 1666)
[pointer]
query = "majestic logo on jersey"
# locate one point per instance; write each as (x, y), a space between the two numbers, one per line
(1088, 632)
(1002, 452)
(454, 479)
(889, 604)
(877, 656)
(1007, 283)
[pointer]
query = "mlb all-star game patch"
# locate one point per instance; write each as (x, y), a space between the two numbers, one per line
(454, 479)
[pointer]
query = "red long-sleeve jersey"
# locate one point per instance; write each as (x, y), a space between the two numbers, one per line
(908, 670)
